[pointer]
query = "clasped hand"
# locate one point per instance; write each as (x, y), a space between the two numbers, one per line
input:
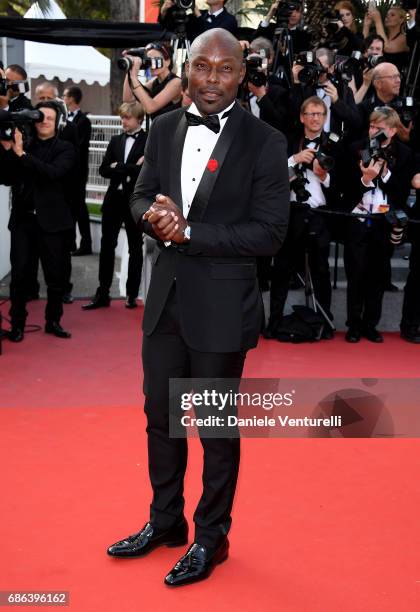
(166, 219)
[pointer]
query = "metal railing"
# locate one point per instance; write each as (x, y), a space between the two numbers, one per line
(103, 128)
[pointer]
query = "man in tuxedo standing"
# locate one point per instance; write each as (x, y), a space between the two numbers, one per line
(221, 176)
(121, 164)
(72, 97)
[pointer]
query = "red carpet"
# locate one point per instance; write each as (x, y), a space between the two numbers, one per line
(319, 525)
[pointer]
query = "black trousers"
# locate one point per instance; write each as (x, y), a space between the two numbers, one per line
(366, 255)
(411, 304)
(165, 356)
(307, 230)
(114, 214)
(81, 215)
(29, 242)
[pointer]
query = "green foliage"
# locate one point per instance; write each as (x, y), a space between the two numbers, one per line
(19, 7)
(85, 9)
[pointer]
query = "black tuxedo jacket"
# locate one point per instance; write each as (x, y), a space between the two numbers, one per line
(124, 174)
(47, 178)
(240, 211)
(84, 132)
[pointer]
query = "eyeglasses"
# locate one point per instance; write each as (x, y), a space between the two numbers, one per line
(394, 77)
(314, 115)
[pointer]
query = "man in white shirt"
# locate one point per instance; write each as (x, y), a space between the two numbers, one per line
(213, 193)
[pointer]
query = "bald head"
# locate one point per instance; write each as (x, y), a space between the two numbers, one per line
(386, 81)
(221, 38)
(215, 70)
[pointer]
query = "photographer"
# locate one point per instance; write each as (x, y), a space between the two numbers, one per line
(196, 22)
(373, 54)
(268, 98)
(40, 217)
(301, 40)
(122, 163)
(310, 169)
(386, 82)
(318, 78)
(17, 86)
(377, 179)
(347, 37)
(160, 94)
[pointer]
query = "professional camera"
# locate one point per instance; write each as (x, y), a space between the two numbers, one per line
(406, 109)
(297, 184)
(334, 35)
(18, 87)
(19, 119)
(125, 63)
(373, 60)
(376, 152)
(346, 67)
(324, 152)
(284, 10)
(398, 221)
(256, 68)
(312, 68)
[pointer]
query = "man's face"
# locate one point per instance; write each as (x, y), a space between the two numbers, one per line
(46, 128)
(68, 100)
(214, 75)
(380, 126)
(129, 123)
(11, 75)
(294, 19)
(376, 48)
(313, 118)
(388, 82)
(45, 93)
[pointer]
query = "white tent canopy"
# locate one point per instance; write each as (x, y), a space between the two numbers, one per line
(64, 62)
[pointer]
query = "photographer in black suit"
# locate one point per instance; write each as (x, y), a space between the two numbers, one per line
(307, 230)
(17, 80)
(221, 176)
(72, 97)
(376, 181)
(300, 38)
(121, 164)
(199, 21)
(40, 217)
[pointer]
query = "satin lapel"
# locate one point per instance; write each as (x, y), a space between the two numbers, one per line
(121, 148)
(208, 180)
(177, 148)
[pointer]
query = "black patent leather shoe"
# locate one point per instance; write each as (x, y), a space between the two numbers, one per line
(353, 335)
(411, 334)
(97, 302)
(131, 302)
(148, 539)
(54, 328)
(15, 334)
(197, 564)
(372, 335)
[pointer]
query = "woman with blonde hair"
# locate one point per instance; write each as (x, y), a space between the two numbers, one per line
(395, 49)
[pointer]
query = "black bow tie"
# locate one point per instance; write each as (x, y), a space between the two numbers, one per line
(71, 114)
(210, 121)
(133, 135)
(308, 141)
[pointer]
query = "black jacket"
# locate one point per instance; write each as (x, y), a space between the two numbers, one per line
(84, 132)
(124, 174)
(397, 188)
(240, 211)
(45, 177)
(198, 25)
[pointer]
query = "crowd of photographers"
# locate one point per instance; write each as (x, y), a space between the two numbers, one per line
(348, 107)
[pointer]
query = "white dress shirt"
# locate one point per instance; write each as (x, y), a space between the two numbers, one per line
(71, 117)
(198, 147)
(314, 186)
(320, 92)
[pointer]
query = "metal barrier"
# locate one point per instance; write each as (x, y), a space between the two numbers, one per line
(103, 128)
